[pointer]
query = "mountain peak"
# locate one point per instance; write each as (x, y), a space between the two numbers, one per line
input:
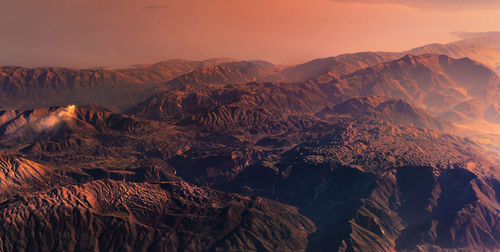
(397, 111)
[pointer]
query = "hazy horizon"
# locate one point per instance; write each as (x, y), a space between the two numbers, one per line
(118, 34)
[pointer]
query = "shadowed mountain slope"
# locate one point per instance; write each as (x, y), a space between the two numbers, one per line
(378, 187)
(397, 111)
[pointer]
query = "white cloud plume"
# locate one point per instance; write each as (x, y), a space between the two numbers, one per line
(55, 118)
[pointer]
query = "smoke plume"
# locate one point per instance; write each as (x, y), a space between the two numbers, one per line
(55, 118)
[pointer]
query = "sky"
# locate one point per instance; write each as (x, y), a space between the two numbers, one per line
(119, 33)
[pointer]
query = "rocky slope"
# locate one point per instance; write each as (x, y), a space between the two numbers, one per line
(40, 87)
(108, 215)
(352, 176)
(83, 202)
(20, 176)
(360, 170)
(458, 89)
(226, 73)
(397, 111)
(336, 66)
(482, 47)
(379, 187)
(436, 83)
(246, 105)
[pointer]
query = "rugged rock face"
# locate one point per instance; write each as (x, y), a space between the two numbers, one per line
(397, 111)
(108, 215)
(379, 187)
(19, 176)
(253, 106)
(83, 202)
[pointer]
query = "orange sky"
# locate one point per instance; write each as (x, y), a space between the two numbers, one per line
(117, 33)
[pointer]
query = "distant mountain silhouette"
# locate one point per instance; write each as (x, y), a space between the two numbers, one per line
(38, 87)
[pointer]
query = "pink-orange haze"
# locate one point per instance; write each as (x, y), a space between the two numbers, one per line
(117, 33)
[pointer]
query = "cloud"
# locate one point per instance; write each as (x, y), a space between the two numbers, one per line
(470, 35)
(434, 4)
(154, 7)
(55, 118)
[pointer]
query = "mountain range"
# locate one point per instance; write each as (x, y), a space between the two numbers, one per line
(371, 151)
